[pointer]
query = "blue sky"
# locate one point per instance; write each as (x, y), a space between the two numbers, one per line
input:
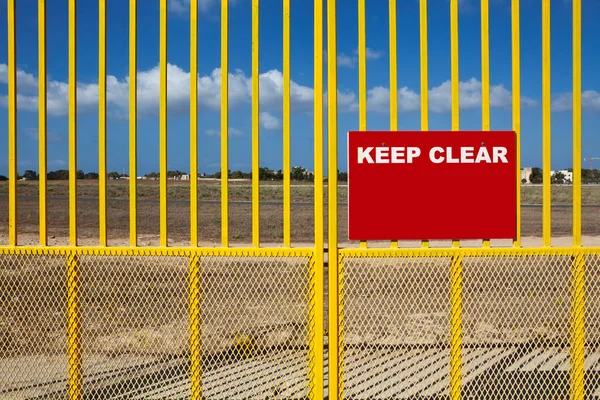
(302, 77)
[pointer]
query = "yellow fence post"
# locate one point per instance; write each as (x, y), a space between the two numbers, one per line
(163, 124)
(485, 75)
(12, 125)
(102, 120)
(42, 118)
(195, 331)
(319, 279)
(335, 275)
(516, 106)
(255, 126)
(546, 116)
(578, 328)
(362, 74)
(224, 123)
(456, 327)
(133, 123)
(74, 327)
(393, 78)
(424, 75)
(72, 125)
(287, 242)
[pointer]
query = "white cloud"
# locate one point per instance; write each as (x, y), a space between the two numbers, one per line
(590, 100)
(183, 6)
(269, 121)
(344, 60)
(440, 97)
(217, 132)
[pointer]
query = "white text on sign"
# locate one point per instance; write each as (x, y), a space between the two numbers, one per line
(437, 155)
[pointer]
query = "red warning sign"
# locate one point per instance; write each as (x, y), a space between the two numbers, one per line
(432, 185)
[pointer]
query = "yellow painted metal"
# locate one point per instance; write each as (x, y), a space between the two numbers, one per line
(335, 363)
(424, 64)
(319, 280)
(393, 77)
(74, 327)
(194, 125)
(42, 127)
(102, 120)
(516, 105)
(454, 71)
(362, 74)
(546, 165)
(163, 124)
(578, 328)
(287, 241)
(72, 126)
(456, 327)
(255, 126)
(485, 74)
(576, 123)
(133, 122)
(12, 125)
(195, 323)
(224, 124)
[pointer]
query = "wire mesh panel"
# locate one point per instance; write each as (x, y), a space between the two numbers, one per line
(134, 326)
(33, 358)
(395, 326)
(255, 327)
(516, 326)
(592, 326)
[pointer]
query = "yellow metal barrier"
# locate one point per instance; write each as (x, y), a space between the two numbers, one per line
(249, 322)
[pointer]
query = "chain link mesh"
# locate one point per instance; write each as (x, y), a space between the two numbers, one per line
(33, 326)
(140, 326)
(396, 326)
(521, 323)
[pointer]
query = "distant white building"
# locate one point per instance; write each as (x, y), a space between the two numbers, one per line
(525, 174)
(568, 175)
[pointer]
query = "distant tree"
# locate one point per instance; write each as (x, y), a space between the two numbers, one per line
(298, 174)
(80, 174)
(3, 178)
(114, 175)
(558, 178)
(523, 181)
(58, 175)
(342, 176)
(536, 175)
(91, 175)
(30, 175)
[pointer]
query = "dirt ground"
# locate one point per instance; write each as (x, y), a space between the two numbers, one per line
(240, 212)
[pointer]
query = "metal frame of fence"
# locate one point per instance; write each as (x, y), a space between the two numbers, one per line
(338, 286)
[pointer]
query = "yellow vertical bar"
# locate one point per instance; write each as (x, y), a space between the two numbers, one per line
(102, 119)
(546, 165)
(456, 328)
(485, 74)
(224, 125)
(73, 327)
(287, 241)
(12, 125)
(424, 75)
(393, 78)
(195, 331)
(72, 126)
(42, 115)
(577, 358)
(133, 122)
(577, 123)
(319, 278)
(362, 75)
(255, 127)
(163, 123)
(516, 106)
(194, 124)
(335, 365)
(454, 72)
